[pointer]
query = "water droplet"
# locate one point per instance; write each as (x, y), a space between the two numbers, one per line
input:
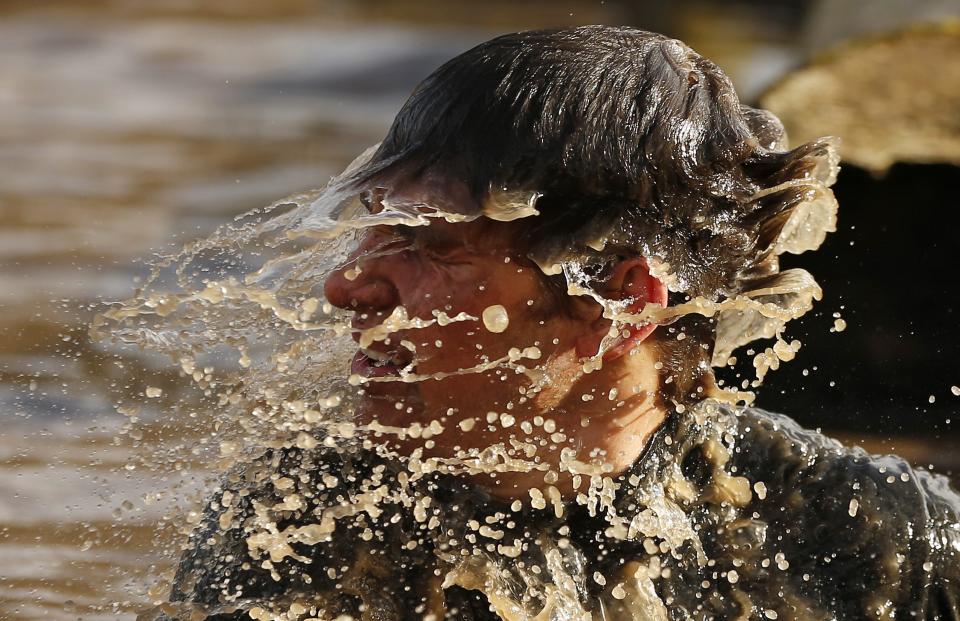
(854, 506)
(228, 448)
(495, 318)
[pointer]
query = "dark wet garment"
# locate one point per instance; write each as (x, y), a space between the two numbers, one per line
(783, 523)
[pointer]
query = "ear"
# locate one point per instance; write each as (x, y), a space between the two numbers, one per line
(628, 279)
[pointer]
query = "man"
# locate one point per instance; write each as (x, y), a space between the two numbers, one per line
(563, 231)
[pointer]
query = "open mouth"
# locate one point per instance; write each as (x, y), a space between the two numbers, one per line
(370, 362)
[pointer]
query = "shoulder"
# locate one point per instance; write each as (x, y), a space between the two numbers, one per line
(335, 526)
(262, 524)
(800, 466)
(889, 533)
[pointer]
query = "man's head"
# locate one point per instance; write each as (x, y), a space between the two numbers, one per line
(610, 162)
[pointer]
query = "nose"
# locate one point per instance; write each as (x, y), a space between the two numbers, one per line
(360, 284)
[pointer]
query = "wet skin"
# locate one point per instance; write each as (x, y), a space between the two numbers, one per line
(466, 267)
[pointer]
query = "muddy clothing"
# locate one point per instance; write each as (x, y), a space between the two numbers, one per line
(728, 515)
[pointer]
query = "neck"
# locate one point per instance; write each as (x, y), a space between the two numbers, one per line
(602, 434)
(609, 430)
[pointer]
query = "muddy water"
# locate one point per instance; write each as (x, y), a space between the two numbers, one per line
(119, 134)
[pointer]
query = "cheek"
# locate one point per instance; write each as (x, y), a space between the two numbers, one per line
(447, 348)
(471, 343)
(439, 295)
(450, 289)
(478, 289)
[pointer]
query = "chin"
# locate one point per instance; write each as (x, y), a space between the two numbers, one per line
(379, 403)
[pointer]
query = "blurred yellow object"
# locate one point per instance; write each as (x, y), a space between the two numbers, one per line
(890, 98)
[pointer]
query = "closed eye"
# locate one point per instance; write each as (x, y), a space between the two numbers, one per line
(403, 231)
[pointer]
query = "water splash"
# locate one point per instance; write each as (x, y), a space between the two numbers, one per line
(242, 314)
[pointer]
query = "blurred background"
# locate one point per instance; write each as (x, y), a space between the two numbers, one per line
(132, 126)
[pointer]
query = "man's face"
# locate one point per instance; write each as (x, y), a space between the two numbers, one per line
(469, 320)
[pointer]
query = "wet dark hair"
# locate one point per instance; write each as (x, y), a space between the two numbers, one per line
(631, 137)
